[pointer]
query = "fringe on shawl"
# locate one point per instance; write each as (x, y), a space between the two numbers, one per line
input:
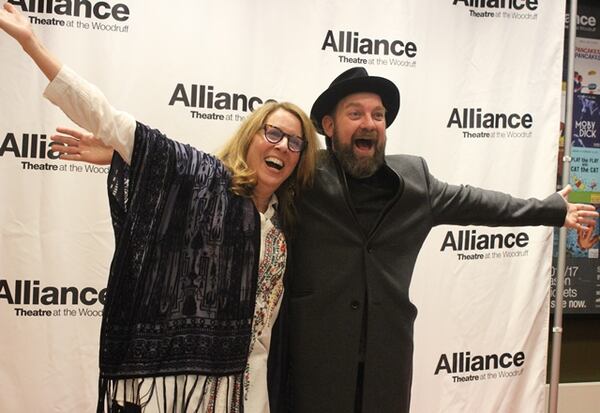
(172, 394)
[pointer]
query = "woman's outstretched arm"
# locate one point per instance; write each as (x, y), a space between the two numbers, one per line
(81, 101)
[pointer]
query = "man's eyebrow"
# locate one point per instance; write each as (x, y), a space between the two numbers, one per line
(356, 104)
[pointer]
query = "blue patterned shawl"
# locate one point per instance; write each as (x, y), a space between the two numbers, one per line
(182, 284)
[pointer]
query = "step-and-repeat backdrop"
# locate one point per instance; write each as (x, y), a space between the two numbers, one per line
(480, 86)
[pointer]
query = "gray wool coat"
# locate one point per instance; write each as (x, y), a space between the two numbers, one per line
(335, 265)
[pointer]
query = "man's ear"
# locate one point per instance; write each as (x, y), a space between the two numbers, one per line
(327, 125)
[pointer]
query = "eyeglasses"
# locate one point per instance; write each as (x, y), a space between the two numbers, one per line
(273, 135)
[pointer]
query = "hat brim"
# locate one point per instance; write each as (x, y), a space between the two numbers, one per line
(387, 90)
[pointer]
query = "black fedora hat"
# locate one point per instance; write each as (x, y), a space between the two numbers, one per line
(353, 81)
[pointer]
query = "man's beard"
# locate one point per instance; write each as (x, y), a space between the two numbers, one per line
(354, 165)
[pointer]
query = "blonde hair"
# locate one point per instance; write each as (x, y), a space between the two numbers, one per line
(243, 179)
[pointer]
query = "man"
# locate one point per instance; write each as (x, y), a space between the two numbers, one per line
(360, 230)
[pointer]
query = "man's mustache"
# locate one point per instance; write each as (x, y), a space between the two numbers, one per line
(364, 135)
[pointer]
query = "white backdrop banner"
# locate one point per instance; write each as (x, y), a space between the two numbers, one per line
(480, 92)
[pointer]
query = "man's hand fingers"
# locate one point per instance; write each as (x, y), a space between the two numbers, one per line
(588, 213)
(585, 207)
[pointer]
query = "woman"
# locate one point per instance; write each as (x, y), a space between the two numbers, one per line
(196, 279)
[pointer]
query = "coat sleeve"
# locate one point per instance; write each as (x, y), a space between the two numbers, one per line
(468, 205)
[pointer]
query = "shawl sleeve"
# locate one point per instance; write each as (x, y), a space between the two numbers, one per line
(159, 167)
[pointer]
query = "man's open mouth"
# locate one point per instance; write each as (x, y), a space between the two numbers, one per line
(364, 144)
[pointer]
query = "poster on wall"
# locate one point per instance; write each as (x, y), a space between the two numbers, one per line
(582, 275)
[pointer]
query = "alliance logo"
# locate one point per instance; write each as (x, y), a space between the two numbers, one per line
(467, 240)
(483, 365)
(30, 145)
(371, 51)
(80, 9)
(101, 10)
(472, 246)
(351, 42)
(205, 97)
(508, 9)
(475, 118)
(530, 5)
(30, 292)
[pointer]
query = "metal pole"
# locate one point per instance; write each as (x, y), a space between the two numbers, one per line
(557, 329)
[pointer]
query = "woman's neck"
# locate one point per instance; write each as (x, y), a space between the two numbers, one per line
(261, 201)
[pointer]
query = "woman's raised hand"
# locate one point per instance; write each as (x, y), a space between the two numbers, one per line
(74, 145)
(17, 26)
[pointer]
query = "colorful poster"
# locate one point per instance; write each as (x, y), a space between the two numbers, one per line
(581, 294)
